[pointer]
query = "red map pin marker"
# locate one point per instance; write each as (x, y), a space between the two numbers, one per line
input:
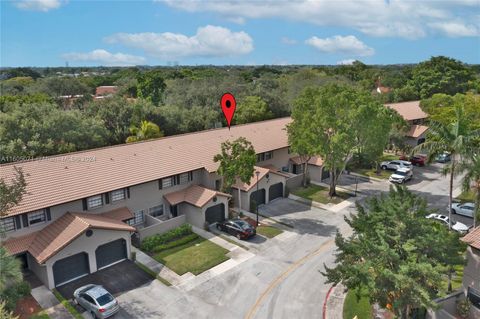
(228, 105)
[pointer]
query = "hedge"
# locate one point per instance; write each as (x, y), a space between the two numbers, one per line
(182, 241)
(151, 242)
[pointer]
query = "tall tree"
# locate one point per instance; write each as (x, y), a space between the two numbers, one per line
(471, 180)
(11, 193)
(334, 122)
(151, 86)
(252, 109)
(455, 138)
(395, 253)
(11, 272)
(146, 131)
(236, 160)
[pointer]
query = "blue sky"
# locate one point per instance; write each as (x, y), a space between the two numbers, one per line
(190, 32)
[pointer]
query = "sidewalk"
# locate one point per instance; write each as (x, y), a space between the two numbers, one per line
(333, 308)
(160, 269)
(47, 300)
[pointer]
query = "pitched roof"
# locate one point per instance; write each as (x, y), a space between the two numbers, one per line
(473, 238)
(417, 130)
(314, 160)
(50, 240)
(408, 110)
(195, 195)
(122, 213)
(253, 180)
(59, 179)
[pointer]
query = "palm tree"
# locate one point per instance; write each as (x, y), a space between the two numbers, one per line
(454, 138)
(10, 270)
(147, 130)
(472, 176)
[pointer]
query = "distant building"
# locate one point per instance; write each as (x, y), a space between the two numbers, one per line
(380, 89)
(471, 273)
(413, 114)
(105, 91)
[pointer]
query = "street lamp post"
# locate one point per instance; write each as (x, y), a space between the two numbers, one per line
(256, 197)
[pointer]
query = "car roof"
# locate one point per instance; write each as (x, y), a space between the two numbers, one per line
(468, 204)
(96, 291)
(403, 169)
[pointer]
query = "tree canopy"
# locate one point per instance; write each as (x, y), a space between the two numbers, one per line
(397, 255)
(252, 109)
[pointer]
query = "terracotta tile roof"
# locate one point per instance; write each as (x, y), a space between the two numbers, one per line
(473, 238)
(105, 90)
(122, 213)
(20, 244)
(314, 160)
(417, 130)
(408, 110)
(59, 179)
(51, 239)
(195, 195)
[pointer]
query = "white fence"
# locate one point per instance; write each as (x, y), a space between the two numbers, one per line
(161, 226)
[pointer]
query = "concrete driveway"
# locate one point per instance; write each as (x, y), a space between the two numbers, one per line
(282, 280)
(117, 279)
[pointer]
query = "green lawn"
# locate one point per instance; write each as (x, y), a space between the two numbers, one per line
(456, 280)
(388, 157)
(40, 315)
(195, 257)
(466, 196)
(371, 172)
(268, 231)
(319, 194)
(353, 307)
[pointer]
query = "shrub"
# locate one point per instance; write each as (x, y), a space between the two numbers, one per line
(5, 313)
(182, 241)
(151, 242)
(24, 289)
(11, 295)
(463, 308)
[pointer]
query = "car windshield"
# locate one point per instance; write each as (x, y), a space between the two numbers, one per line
(103, 300)
(243, 225)
(402, 173)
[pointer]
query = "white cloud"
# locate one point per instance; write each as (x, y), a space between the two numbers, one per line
(341, 44)
(209, 41)
(346, 62)
(287, 40)
(393, 18)
(456, 29)
(105, 57)
(38, 5)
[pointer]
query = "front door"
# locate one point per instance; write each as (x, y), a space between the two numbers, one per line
(174, 210)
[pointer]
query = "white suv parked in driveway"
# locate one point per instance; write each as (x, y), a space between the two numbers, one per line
(395, 164)
(401, 175)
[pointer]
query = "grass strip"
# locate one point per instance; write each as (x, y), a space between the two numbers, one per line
(67, 305)
(152, 273)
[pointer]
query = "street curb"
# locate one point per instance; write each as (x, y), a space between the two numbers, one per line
(324, 314)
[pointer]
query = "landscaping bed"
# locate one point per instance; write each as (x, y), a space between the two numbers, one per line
(184, 251)
(359, 308)
(28, 307)
(320, 194)
(468, 196)
(262, 229)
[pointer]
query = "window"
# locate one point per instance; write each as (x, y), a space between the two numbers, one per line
(36, 217)
(167, 182)
(156, 211)
(186, 177)
(260, 157)
(95, 201)
(137, 218)
(268, 155)
(117, 195)
(289, 150)
(7, 224)
(218, 183)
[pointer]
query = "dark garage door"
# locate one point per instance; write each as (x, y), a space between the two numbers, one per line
(111, 252)
(275, 191)
(70, 268)
(258, 196)
(215, 214)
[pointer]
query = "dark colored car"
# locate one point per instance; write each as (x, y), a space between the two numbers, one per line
(237, 227)
(417, 160)
(443, 158)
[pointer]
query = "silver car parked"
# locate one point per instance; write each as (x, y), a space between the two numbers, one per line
(96, 300)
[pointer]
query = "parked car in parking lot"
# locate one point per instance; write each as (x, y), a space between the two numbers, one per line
(395, 164)
(418, 160)
(465, 209)
(456, 226)
(443, 158)
(401, 175)
(96, 300)
(237, 227)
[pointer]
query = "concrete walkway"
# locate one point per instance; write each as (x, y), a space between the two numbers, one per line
(334, 303)
(160, 269)
(47, 300)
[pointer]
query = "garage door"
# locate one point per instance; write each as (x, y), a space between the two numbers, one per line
(258, 196)
(111, 253)
(215, 214)
(70, 268)
(275, 191)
